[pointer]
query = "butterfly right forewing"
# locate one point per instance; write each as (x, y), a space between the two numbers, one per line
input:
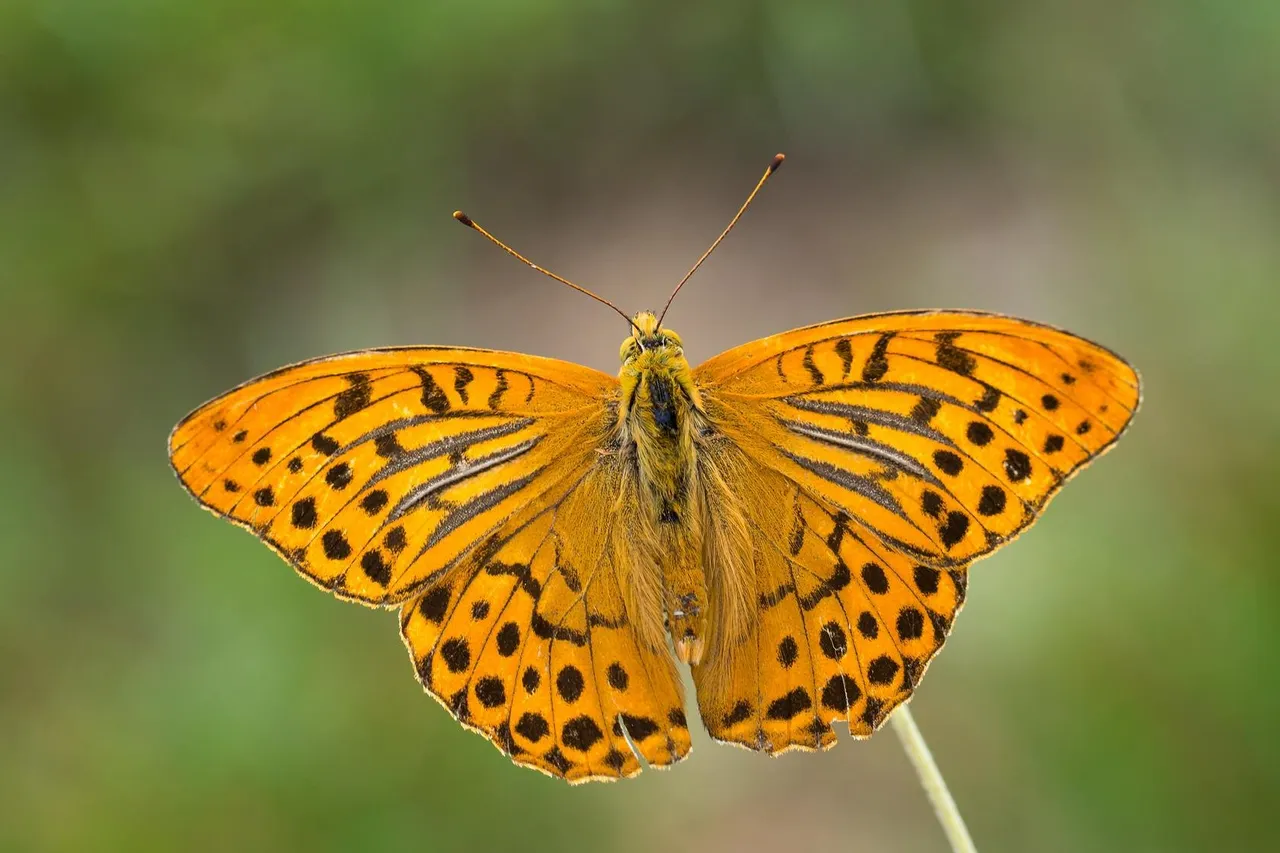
(945, 433)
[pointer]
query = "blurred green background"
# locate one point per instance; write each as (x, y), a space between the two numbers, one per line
(192, 194)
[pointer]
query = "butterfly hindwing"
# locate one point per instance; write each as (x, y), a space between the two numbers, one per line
(374, 471)
(945, 433)
(842, 629)
(533, 647)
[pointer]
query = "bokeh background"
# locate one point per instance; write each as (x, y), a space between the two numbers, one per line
(194, 193)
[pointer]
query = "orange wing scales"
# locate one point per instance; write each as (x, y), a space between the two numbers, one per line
(868, 461)
(945, 442)
(532, 647)
(844, 631)
(891, 451)
(374, 472)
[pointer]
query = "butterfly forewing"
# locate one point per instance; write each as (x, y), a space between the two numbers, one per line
(944, 432)
(373, 471)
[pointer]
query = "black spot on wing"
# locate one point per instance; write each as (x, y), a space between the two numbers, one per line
(495, 398)
(954, 528)
(303, 513)
(462, 377)
(556, 759)
(456, 654)
(992, 501)
(840, 693)
(741, 713)
(926, 579)
(508, 640)
(814, 373)
(581, 733)
(324, 444)
(1017, 465)
(952, 357)
(376, 567)
(617, 676)
(873, 577)
(638, 727)
(491, 692)
(374, 501)
(845, 351)
(910, 624)
(790, 706)
(877, 365)
(530, 680)
(979, 433)
(339, 476)
(434, 604)
(882, 670)
(569, 683)
(989, 401)
(833, 641)
(788, 652)
(948, 462)
(532, 727)
(867, 625)
(434, 399)
(354, 398)
(335, 545)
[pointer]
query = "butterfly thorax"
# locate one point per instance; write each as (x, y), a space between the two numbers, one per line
(659, 416)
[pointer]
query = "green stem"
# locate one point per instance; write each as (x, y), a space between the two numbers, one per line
(944, 806)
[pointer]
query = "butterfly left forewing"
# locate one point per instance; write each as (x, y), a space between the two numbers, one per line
(374, 471)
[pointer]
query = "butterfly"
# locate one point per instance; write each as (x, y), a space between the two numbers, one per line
(793, 519)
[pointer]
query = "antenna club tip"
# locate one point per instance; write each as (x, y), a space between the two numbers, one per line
(777, 161)
(463, 218)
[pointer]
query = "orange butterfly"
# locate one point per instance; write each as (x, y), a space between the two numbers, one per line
(797, 514)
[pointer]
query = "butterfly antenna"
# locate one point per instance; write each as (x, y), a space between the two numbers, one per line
(470, 223)
(773, 167)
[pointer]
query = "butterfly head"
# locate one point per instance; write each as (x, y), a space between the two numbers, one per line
(648, 337)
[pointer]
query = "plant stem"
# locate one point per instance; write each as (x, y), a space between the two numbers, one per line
(931, 779)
